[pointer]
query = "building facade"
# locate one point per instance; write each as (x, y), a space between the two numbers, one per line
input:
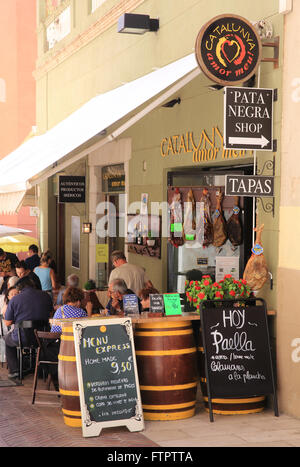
(17, 92)
(138, 160)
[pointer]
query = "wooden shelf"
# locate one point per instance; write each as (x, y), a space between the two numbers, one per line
(145, 250)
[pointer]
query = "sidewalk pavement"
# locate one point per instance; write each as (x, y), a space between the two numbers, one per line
(25, 425)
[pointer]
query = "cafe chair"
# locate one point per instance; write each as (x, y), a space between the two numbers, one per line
(2, 343)
(27, 351)
(43, 360)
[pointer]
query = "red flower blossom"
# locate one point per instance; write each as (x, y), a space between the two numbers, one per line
(206, 282)
(201, 295)
(232, 293)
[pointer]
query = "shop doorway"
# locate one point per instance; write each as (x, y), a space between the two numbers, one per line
(60, 241)
(113, 189)
(209, 259)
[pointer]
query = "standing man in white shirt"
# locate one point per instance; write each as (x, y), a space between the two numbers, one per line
(134, 276)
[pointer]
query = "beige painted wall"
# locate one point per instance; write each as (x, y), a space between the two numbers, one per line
(288, 321)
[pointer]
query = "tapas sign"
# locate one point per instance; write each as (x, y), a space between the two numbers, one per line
(228, 49)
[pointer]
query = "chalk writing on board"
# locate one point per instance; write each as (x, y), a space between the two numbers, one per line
(107, 372)
(235, 351)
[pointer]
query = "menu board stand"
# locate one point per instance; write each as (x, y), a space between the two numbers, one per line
(237, 352)
(107, 375)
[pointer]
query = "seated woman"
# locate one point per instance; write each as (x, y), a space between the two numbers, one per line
(46, 274)
(72, 299)
(9, 294)
(144, 296)
(90, 300)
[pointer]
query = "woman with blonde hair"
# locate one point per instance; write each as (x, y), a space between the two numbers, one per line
(46, 274)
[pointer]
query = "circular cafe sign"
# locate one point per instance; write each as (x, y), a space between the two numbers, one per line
(228, 49)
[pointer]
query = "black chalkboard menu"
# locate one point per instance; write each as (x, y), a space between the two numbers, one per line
(107, 375)
(157, 303)
(71, 189)
(237, 350)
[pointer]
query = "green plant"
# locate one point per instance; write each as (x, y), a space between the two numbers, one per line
(89, 285)
(226, 289)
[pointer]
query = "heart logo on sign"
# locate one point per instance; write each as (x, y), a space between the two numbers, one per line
(230, 50)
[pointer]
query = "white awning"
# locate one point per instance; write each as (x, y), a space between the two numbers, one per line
(40, 152)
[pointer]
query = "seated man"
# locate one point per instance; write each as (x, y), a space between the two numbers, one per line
(29, 304)
(22, 270)
(72, 281)
(116, 290)
(33, 259)
(7, 267)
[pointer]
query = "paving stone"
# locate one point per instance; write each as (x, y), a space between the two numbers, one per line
(23, 425)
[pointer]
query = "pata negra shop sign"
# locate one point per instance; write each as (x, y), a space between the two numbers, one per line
(228, 49)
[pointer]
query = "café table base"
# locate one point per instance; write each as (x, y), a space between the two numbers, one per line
(226, 406)
(67, 377)
(167, 369)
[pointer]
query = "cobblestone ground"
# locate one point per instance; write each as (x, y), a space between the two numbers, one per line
(25, 425)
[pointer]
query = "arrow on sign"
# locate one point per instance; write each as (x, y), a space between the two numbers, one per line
(262, 141)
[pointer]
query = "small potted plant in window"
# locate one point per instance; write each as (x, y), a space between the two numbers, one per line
(150, 239)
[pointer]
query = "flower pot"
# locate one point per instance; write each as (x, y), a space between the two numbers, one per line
(150, 242)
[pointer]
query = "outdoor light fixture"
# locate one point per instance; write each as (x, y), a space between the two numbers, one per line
(86, 227)
(131, 23)
(215, 87)
(172, 102)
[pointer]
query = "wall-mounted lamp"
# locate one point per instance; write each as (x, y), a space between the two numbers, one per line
(172, 102)
(131, 23)
(215, 87)
(86, 227)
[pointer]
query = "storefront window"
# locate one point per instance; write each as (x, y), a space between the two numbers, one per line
(59, 28)
(113, 188)
(204, 251)
(96, 4)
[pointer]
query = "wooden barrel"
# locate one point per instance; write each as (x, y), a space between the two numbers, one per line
(226, 406)
(167, 366)
(67, 377)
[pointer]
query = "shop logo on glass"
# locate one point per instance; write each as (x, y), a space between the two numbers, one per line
(228, 49)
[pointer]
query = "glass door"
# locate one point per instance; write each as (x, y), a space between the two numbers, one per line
(217, 253)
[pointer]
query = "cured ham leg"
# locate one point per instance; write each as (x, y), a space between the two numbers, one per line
(256, 271)
(176, 234)
(190, 217)
(208, 227)
(234, 226)
(219, 226)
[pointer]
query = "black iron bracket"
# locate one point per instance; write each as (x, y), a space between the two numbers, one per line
(275, 45)
(267, 206)
(268, 165)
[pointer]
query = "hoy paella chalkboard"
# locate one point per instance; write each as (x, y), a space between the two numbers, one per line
(237, 351)
(107, 375)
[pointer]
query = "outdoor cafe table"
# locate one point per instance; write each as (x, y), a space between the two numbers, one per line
(169, 358)
(166, 356)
